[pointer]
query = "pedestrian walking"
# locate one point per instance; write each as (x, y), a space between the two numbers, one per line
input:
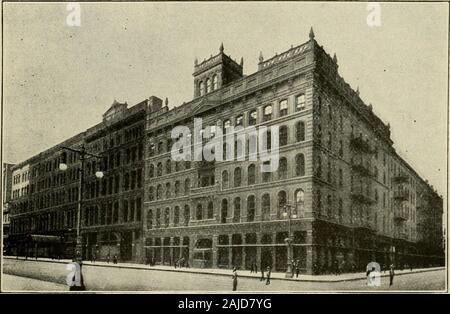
(115, 259)
(235, 279)
(251, 268)
(297, 268)
(391, 275)
(268, 275)
(262, 274)
(255, 267)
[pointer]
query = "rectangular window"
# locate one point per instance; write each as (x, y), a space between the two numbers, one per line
(283, 108)
(300, 102)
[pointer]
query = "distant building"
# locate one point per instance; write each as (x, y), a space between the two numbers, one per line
(6, 198)
(352, 198)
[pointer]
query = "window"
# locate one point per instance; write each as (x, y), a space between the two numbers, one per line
(237, 210)
(208, 85)
(210, 210)
(187, 215)
(239, 120)
(176, 216)
(252, 117)
(283, 135)
(159, 192)
(265, 206)
(199, 212)
(330, 141)
(187, 186)
(281, 203)
(300, 165)
(267, 113)
(215, 82)
(151, 193)
(341, 149)
(166, 217)
(224, 211)
(300, 102)
(237, 177)
(202, 88)
(251, 208)
(150, 219)
(224, 179)
(159, 169)
(341, 178)
(226, 125)
(177, 188)
(167, 190)
(251, 174)
(151, 171)
(300, 131)
(282, 168)
(168, 166)
(266, 176)
(300, 201)
(283, 108)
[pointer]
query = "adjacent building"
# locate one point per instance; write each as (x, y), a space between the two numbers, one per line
(6, 199)
(340, 187)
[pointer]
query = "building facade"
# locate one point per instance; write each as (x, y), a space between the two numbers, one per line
(340, 187)
(6, 199)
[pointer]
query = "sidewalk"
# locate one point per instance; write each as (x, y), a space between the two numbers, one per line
(241, 273)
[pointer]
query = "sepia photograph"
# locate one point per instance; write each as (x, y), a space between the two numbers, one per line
(224, 147)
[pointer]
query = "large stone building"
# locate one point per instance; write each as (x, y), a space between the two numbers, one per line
(351, 197)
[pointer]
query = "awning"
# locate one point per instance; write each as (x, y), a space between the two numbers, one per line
(44, 238)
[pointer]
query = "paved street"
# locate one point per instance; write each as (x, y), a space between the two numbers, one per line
(16, 283)
(129, 278)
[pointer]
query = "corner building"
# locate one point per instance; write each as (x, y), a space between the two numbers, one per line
(337, 171)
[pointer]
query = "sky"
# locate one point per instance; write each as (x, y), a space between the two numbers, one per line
(59, 80)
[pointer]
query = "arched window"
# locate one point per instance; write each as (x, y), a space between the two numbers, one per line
(300, 131)
(267, 115)
(215, 83)
(251, 208)
(176, 216)
(283, 135)
(150, 219)
(177, 166)
(265, 206)
(251, 174)
(167, 216)
(210, 210)
(300, 165)
(168, 166)
(199, 212)
(151, 193)
(151, 171)
(282, 168)
(237, 210)
(167, 190)
(158, 218)
(177, 188)
(237, 177)
(300, 202)
(283, 107)
(224, 211)
(281, 203)
(208, 85)
(252, 117)
(187, 215)
(187, 186)
(202, 88)
(159, 192)
(300, 102)
(159, 169)
(224, 179)
(160, 147)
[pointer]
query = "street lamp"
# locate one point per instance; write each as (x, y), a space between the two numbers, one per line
(289, 215)
(83, 154)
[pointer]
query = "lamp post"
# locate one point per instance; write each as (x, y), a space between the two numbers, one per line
(83, 155)
(288, 213)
